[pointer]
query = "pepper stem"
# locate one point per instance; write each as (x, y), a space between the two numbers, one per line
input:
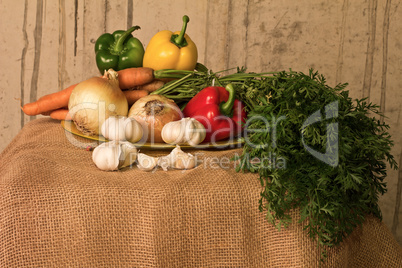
(226, 107)
(119, 43)
(179, 40)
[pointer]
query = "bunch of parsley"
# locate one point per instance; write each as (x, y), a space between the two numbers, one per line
(315, 150)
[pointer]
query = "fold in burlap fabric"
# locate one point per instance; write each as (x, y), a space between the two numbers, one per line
(58, 210)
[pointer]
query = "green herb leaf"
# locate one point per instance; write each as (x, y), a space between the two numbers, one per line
(333, 197)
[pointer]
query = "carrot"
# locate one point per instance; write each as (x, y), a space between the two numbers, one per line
(128, 78)
(134, 95)
(131, 77)
(150, 87)
(60, 114)
(49, 102)
(47, 113)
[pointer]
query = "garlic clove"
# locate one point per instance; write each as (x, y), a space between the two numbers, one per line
(166, 162)
(195, 133)
(133, 130)
(184, 161)
(199, 132)
(177, 159)
(146, 162)
(128, 155)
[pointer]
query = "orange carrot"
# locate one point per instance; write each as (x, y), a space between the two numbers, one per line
(131, 77)
(134, 95)
(128, 78)
(60, 114)
(47, 112)
(150, 87)
(49, 102)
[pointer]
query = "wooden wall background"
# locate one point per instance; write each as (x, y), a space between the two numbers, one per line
(47, 45)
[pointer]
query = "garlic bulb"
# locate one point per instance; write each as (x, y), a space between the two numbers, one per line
(114, 155)
(121, 128)
(146, 162)
(185, 131)
(177, 159)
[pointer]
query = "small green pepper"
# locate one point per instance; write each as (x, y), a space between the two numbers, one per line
(119, 50)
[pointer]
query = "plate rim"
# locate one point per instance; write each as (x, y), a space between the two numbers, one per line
(236, 143)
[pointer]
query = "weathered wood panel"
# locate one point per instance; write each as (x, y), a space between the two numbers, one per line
(48, 45)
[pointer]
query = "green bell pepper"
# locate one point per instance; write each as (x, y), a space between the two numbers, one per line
(119, 50)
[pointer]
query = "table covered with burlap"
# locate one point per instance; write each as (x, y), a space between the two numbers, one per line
(57, 209)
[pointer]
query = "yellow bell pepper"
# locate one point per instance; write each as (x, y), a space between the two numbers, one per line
(168, 50)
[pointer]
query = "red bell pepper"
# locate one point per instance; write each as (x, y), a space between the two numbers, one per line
(217, 109)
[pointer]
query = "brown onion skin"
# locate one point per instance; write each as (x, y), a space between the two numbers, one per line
(153, 123)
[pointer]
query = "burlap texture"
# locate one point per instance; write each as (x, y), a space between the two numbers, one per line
(58, 210)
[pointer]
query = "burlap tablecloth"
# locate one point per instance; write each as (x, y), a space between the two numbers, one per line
(58, 210)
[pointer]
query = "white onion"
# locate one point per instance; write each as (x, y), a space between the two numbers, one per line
(94, 100)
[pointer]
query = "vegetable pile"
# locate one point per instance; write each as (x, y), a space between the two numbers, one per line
(313, 147)
(332, 169)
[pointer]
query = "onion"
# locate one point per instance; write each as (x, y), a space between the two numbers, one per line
(153, 112)
(94, 100)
